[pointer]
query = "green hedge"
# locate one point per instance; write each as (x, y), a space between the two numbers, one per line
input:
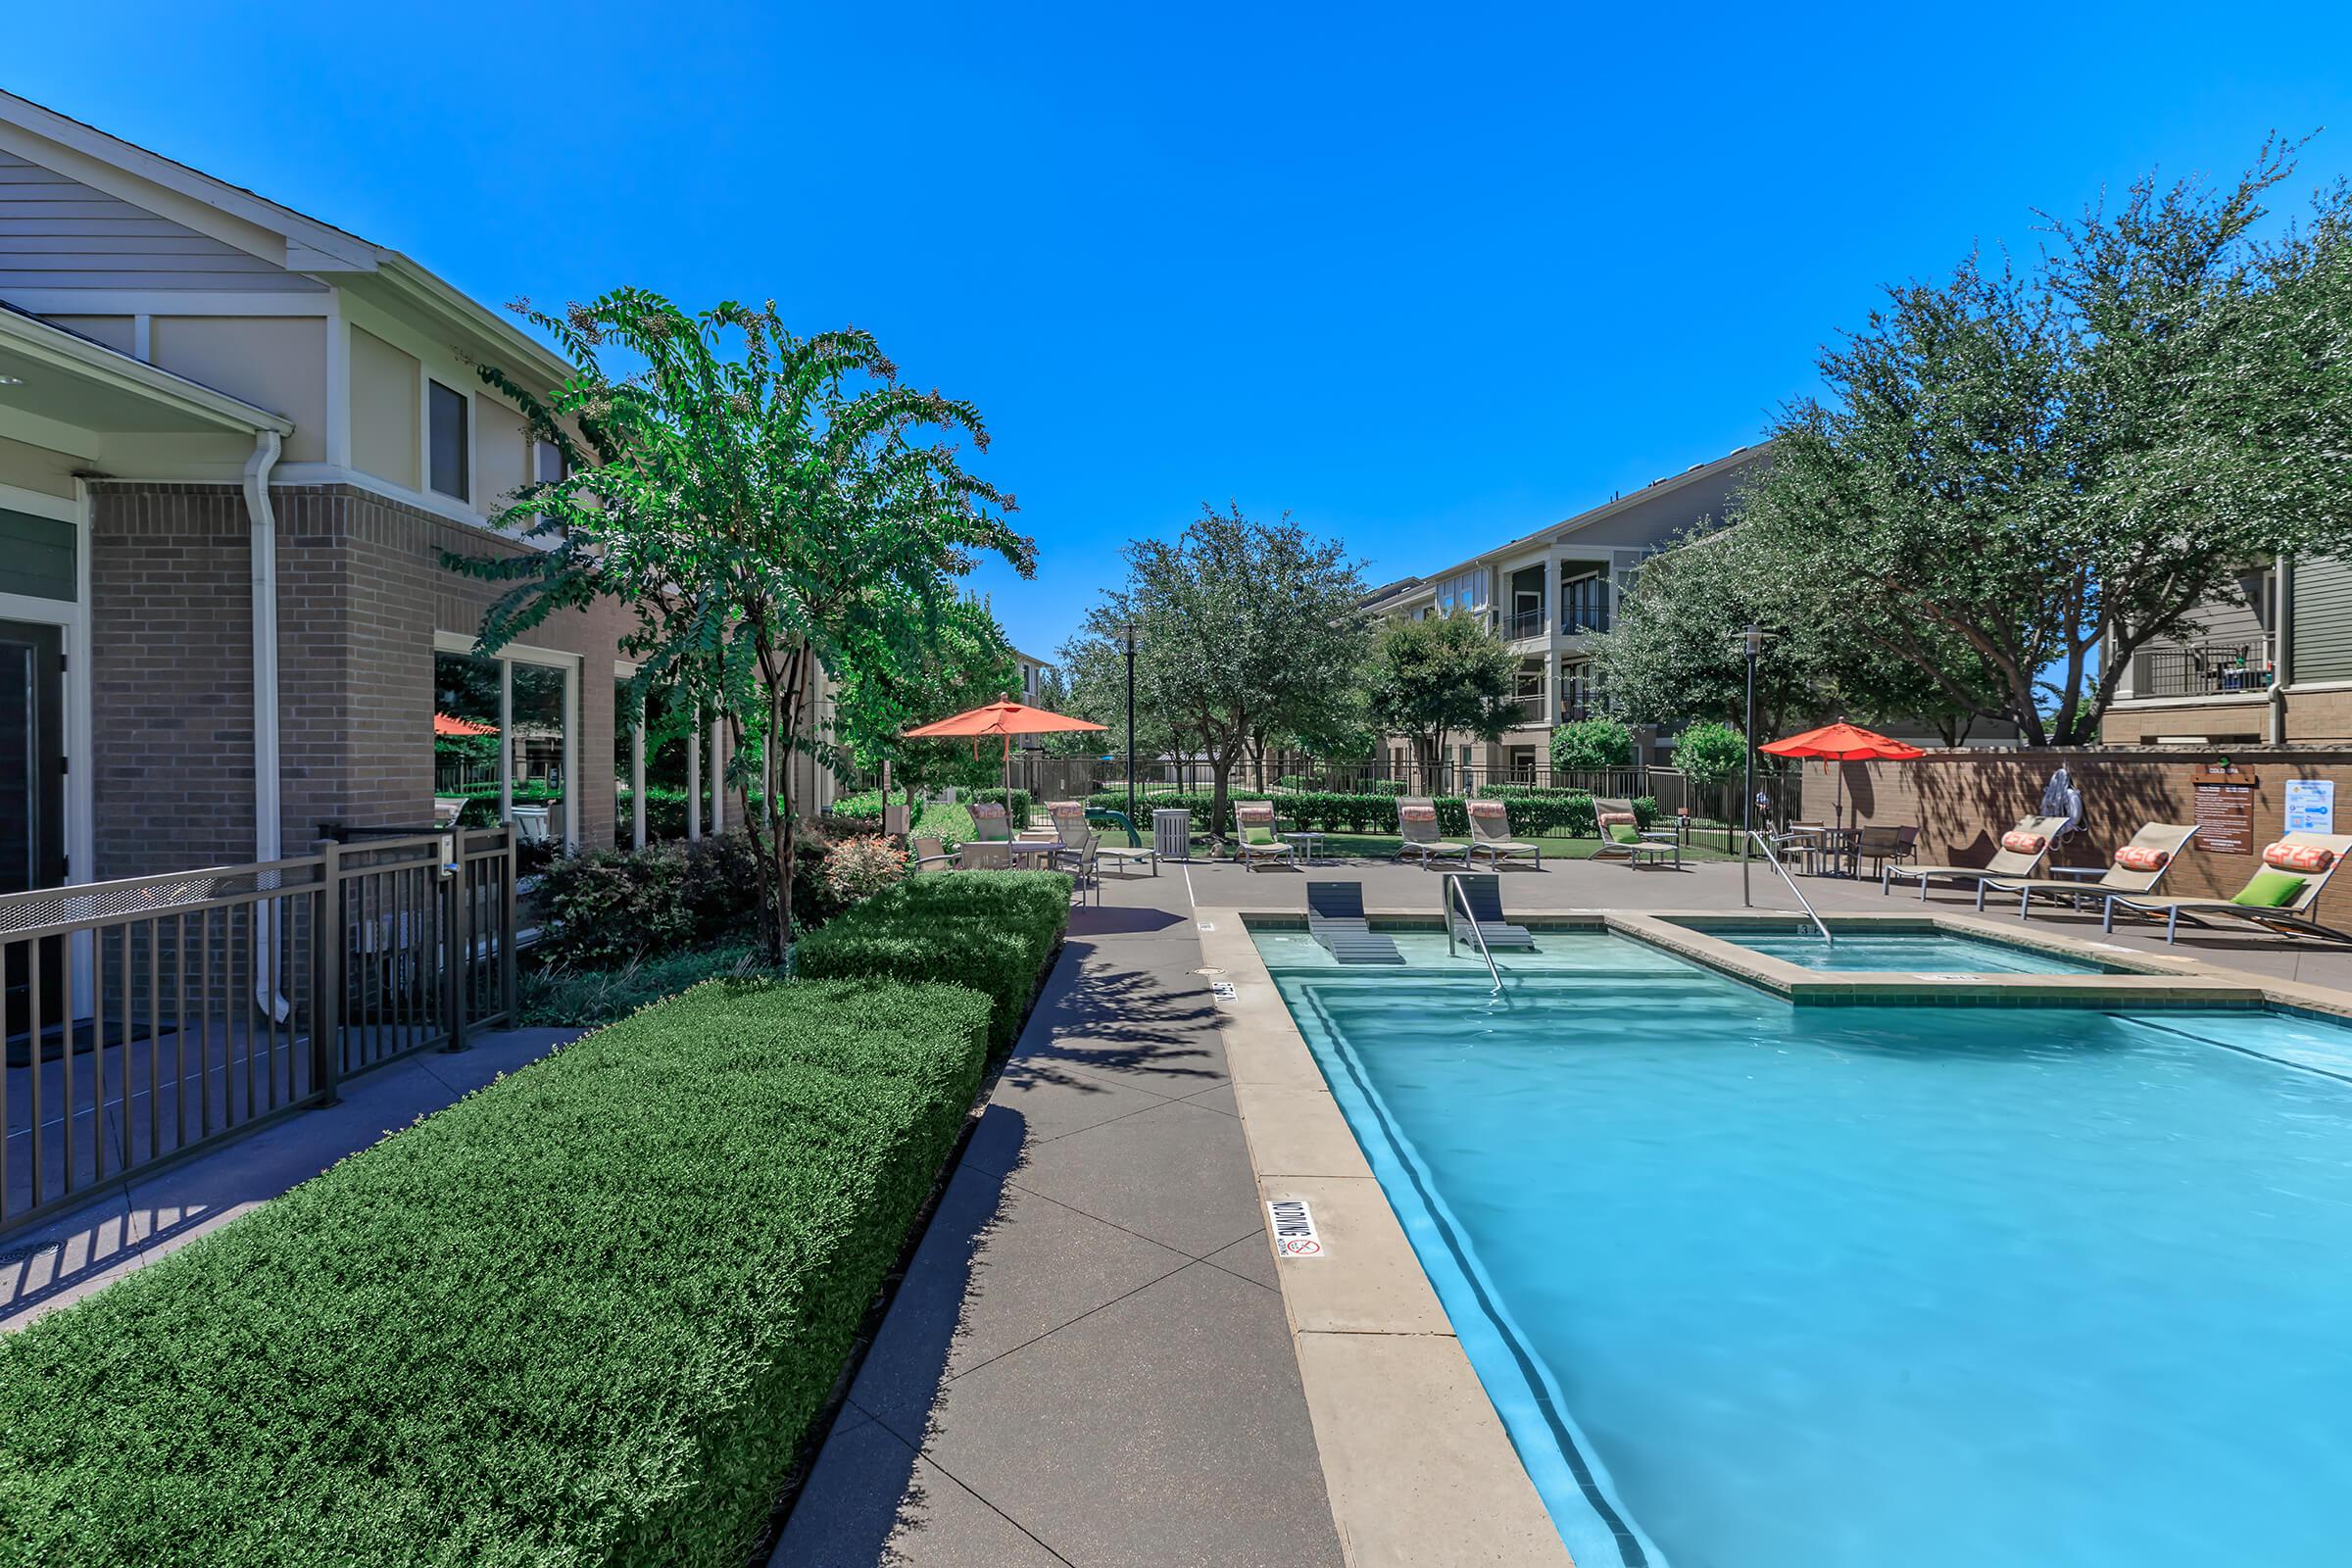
(989, 930)
(1560, 812)
(583, 1316)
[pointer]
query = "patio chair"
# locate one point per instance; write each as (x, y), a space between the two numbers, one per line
(2136, 870)
(1335, 917)
(2022, 849)
(982, 855)
(1417, 822)
(1883, 845)
(1481, 890)
(447, 809)
(2278, 897)
(930, 855)
(1491, 835)
(990, 823)
(1255, 840)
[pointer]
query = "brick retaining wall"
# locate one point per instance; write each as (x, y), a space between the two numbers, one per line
(1962, 801)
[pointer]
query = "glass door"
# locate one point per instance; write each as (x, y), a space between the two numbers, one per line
(33, 790)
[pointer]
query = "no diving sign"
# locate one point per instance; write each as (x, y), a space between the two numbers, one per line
(1294, 1227)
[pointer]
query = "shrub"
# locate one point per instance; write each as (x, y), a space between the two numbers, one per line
(1709, 754)
(989, 930)
(585, 1315)
(607, 908)
(858, 868)
(1587, 745)
(556, 996)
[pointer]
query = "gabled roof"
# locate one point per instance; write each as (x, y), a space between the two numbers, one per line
(253, 222)
(1559, 532)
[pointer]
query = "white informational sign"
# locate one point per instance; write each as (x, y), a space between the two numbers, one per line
(1294, 1227)
(2311, 805)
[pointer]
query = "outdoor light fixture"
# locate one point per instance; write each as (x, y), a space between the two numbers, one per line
(1749, 642)
(1130, 631)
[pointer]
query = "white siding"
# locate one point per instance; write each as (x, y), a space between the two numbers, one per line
(2323, 612)
(56, 234)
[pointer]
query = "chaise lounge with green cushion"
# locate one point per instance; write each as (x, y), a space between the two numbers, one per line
(1255, 841)
(1621, 833)
(2279, 897)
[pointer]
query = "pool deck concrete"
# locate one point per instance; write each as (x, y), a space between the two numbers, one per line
(1093, 1360)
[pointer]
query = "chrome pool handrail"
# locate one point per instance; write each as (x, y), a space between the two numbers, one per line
(1765, 844)
(1454, 894)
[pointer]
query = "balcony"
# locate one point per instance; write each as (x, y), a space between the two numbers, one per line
(1530, 707)
(2207, 669)
(1575, 709)
(1519, 626)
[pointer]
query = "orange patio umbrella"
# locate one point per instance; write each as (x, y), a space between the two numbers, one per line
(1843, 743)
(451, 725)
(1004, 717)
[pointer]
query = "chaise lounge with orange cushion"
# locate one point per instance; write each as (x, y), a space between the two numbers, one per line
(2022, 849)
(2136, 870)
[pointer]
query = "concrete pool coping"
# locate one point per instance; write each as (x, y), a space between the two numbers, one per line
(1416, 1460)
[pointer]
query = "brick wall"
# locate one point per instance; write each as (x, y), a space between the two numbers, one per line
(360, 593)
(1963, 801)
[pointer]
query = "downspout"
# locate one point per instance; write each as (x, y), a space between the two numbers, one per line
(2283, 641)
(267, 838)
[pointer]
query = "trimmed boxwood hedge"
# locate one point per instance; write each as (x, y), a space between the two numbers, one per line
(989, 930)
(583, 1316)
(1568, 812)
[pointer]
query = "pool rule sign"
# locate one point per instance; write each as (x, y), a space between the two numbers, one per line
(2225, 809)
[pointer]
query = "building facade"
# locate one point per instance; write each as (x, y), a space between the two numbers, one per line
(235, 443)
(2273, 668)
(1549, 593)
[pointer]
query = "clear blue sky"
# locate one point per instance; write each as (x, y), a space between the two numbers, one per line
(1428, 278)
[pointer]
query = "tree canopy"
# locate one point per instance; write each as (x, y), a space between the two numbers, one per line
(767, 507)
(1250, 633)
(910, 673)
(1440, 677)
(2018, 479)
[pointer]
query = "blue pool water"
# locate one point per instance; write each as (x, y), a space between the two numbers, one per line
(1756, 1286)
(1933, 951)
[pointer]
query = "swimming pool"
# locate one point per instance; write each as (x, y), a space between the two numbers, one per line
(1913, 952)
(1755, 1286)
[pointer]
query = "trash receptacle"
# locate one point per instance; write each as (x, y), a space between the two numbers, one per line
(1172, 833)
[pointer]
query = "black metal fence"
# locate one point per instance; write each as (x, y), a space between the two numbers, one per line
(152, 1018)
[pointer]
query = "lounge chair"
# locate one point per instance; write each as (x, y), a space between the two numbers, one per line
(1417, 822)
(1491, 835)
(2022, 849)
(1254, 839)
(2136, 870)
(2294, 872)
(1335, 917)
(1483, 892)
(1621, 836)
(990, 823)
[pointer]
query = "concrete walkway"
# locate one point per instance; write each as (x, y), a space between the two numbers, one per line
(1088, 1363)
(134, 1221)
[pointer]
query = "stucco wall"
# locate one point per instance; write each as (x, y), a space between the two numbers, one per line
(276, 362)
(385, 439)
(31, 468)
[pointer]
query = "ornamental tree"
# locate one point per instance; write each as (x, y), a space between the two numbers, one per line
(1710, 754)
(764, 504)
(1440, 677)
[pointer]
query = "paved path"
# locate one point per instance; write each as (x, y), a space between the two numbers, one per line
(138, 1220)
(1088, 1363)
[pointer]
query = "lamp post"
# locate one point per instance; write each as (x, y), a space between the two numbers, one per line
(1751, 642)
(1129, 631)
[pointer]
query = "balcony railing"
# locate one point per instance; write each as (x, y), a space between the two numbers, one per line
(1519, 626)
(1531, 709)
(1575, 710)
(2207, 669)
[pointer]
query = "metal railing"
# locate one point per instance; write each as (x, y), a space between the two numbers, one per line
(1519, 625)
(1453, 896)
(2206, 669)
(1764, 843)
(152, 1018)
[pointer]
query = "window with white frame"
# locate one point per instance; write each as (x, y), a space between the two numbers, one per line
(446, 442)
(1462, 593)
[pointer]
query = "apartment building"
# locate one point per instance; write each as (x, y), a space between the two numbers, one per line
(234, 442)
(1548, 593)
(2273, 669)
